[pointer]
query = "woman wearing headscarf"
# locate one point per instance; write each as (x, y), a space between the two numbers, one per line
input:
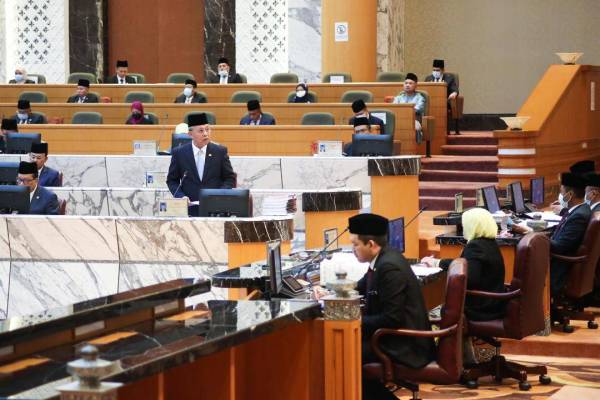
(485, 264)
(137, 116)
(301, 94)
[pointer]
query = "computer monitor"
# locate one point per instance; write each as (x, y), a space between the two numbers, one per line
(516, 194)
(396, 234)
(20, 143)
(8, 172)
(372, 145)
(274, 264)
(14, 199)
(490, 198)
(537, 190)
(179, 139)
(224, 203)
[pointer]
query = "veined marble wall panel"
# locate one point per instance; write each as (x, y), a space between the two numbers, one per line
(390, 35)
(37, 38)
(74, 239)
(84, 201)
(132, 202)
(258, 172)
(261, 39)
(305, 39)
(37, 286)
(179, 240)
(325, 173)
(4, 240)
(80, 170)
(219, 35)
(130, 171)
(4, 286)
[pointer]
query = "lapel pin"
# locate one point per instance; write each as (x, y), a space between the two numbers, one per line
(210, 155)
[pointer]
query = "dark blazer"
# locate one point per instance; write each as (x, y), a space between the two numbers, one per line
(27, 82)
(90, 98)
(450, 81)
(218, 172)
(43, 202)
(196, 98)
(597, 208)
(145, 121)
(49, 177)
(395, 300)
(264, 120)
(485, 272)
(113, 79)
(232, 78)
(565, 240)
(373, 120)
(33, 119)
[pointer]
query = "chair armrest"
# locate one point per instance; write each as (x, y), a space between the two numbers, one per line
(572, 260)
(428, 127)
(435, 320)
(494, 295)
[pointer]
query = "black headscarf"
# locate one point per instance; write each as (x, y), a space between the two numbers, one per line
(301, 99)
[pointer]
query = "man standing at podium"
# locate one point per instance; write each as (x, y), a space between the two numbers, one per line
(393, 299)
(199, 164)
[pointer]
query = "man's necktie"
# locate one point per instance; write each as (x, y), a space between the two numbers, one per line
(200, 164)
(122, 81)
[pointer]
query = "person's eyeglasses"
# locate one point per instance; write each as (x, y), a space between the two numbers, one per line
(25, 180)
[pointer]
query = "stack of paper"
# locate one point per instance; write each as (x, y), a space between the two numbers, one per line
(279, 204)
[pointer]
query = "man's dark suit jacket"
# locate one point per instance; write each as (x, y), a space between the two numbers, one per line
(565, 240)
(89, 98)
(33, 119)
(450, 81)
(113, 79)
(49, 177)
(597, 208)
(264, 120)
(235, 78)
(485, 272)
(27, 82)
(373, 120)
(394, 300)
(196, 98)
(218, 172)
(43, 202)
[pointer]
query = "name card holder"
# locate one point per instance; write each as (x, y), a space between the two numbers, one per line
(156, 179)
(336, 79)
(328, 148)
(145, 147)
(173, 208)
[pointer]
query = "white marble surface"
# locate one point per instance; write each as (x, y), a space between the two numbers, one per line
(36, 286)
(73, 239)
(79, 170)
(325, 173)
(132, 202)
(4, 240)
(84, 201)
(168, 240)
(130, 171)
(258, 172)
(4, 287)
(305, 39)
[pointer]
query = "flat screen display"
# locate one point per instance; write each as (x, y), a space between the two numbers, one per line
(491, 199)
(517, 197)
(537, 191)
(274, 264)
(396, 234)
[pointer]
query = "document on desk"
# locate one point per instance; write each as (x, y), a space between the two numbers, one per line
(546, 216)
(421, 270)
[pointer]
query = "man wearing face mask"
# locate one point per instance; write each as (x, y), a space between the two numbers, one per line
(580, 168)
(592, 192)
(568, 234)
(189, 94)
(411, 96)
(224, 73)
(438, 75)
(25, 116)
(21, 77)
(360, 111)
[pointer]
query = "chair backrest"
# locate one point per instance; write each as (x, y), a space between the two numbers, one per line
(210, 116)
(87, 117)
(41, 114)
(352, 95)
(243, 96)
(153, 117)
(202, 95)
(327, 77)
(318, 118)
(140, 78)
(143, 96)
(312, 97)
(581, 275)
(390, 120)
(179, 77)
(390, 77)
(34, 96)
(76, 76)
(449, 349)
(243, 78)
(62, 206)
(284, 77)
(525, 314)
(40, 78)
(455, 75)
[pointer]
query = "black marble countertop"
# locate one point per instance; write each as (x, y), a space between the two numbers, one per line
(451, 218)
(157, 345)
(44, 323)
(248, 231)
(450, 239)
(394, 166)
(330, 200)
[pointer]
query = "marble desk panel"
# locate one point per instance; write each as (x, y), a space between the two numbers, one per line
(84, 201)
(4, 282)
(258, 172)
(37, 286)
(4, 240)
(130, 171)
(80, 170)
(133, 202)
(310, 173)
(62, 238)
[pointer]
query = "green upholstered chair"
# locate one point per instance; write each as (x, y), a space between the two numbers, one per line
(143, 96)
(40, 78)
(179, 77)
(390, 77)
(284, 77)
(243, 77)
(139, 78)
(210, 116)
(34, 96)
(327, 77)
(390, 120)
(87, 117)
(352, 95)
(76, 76)
(243, 96)
(318, 118)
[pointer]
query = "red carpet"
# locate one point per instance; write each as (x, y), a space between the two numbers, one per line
(469, 162)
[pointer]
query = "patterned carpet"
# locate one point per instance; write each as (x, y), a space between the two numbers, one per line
(579, 372)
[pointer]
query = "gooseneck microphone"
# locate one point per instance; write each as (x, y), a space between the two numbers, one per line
(324, 249)
(415, 217)
(180, 183)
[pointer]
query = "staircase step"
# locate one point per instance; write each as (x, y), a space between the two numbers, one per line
(461, 163)
(443, 203)
(458, 176)
(472, 139)
(448, 189)
(470, 150)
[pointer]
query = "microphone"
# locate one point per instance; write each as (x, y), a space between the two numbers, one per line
(324, 249)
(415, 217)
(180, 183)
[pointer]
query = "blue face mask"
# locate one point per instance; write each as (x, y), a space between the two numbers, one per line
(18, 77)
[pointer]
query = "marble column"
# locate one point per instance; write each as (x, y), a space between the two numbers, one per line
(219, 34)
(87, 19)
(305, 39)
(390, 35)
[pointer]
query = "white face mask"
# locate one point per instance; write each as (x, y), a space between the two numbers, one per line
(187, 92)
(437, 74)
(223, 72)
(22, 116)
(563, 203)
(18, 77)
(301, 93)
(587, 201)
